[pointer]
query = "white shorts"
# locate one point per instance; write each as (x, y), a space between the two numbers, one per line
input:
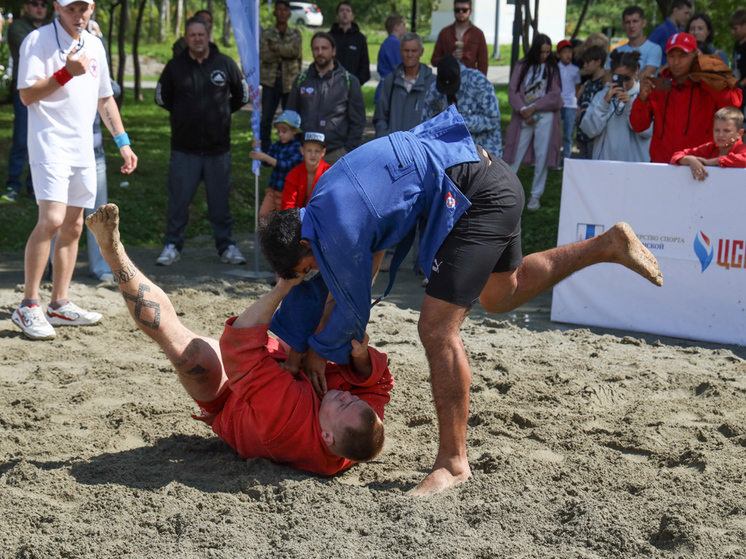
(59, 182)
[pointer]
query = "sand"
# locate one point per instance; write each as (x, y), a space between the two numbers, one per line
(582, 444)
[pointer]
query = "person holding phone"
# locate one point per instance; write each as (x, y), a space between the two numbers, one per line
(606, 121)
(680, 109)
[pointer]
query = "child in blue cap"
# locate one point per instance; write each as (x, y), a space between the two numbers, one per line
(283, 155)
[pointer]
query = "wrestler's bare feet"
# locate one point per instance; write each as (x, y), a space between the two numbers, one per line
(441, 478)
(104, 224)
(634, 255)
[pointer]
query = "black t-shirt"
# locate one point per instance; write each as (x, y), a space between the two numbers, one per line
(738, 64)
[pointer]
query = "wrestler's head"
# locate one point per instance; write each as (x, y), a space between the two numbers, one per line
(350, 427)
(280, 239)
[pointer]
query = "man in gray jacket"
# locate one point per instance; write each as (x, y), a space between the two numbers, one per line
(402, 95)
(329, 100)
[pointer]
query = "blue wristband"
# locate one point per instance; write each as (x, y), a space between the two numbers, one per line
(122, 140)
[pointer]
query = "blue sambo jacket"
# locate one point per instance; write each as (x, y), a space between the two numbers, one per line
(371, 199)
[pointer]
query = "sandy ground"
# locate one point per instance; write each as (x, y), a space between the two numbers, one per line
(582, 443)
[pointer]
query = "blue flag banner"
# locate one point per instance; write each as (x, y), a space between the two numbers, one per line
(245, 20)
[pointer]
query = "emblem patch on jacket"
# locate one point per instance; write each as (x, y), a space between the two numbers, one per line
(218, 78)
(451, 202)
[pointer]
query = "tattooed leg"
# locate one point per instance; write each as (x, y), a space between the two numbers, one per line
(196, 358)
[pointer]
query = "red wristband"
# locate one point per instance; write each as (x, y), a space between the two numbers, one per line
(62, 76)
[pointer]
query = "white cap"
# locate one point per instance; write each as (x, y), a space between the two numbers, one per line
(64, 3)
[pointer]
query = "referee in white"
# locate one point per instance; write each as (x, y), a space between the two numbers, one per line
(63, 78)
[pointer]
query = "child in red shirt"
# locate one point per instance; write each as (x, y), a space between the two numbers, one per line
(296, 192)
(726, 149)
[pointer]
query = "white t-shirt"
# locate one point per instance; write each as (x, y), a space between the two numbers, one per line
(570, 76)
(60, 126)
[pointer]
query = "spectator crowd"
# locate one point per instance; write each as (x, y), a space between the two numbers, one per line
(672, 96)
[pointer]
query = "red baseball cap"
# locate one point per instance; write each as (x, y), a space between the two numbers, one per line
(683, 41)
(565, 43)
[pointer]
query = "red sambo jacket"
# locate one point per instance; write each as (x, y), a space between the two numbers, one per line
(682, 117)
(272, 414)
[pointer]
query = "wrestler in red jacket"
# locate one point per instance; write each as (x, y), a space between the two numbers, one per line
(252, 403)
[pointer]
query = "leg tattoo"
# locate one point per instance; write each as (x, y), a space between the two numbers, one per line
(125, 274)
(140, 302)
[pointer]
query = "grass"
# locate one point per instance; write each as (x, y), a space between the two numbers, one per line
(145, 199)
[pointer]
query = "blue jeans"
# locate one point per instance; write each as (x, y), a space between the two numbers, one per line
(18, 151)
(271, 97)
(185, 171)
(96, 263)
(568, 131)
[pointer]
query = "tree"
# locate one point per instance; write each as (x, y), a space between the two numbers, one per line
(165, 19)
(179, 17)
(122, 39)
(135, 53)
(226, 28)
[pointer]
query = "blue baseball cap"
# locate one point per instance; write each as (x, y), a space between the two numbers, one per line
(291, 118)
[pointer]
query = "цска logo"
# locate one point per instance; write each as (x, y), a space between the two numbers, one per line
(731, 253)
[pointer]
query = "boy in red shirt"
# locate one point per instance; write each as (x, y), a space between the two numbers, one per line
(296, 192)
(726, 149)
(249, 400)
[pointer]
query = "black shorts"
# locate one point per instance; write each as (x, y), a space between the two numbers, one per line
(486, 239)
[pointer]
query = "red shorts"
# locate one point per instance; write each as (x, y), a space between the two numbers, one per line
(210, 410)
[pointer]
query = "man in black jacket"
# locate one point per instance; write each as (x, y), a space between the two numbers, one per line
(200, 88)
(329, 100)
(352, 46)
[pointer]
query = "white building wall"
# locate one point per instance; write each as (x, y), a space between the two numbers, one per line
(552, 15)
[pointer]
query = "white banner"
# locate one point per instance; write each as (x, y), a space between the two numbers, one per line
(245, 21)
(695, 230)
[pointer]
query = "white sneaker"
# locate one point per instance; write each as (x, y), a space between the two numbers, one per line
(533, 204)
(169, 255)
(72, 315)
(33, 323)
(232, 255)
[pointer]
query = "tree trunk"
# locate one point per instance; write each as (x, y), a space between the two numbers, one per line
(164, 7)
(211, 9)
(178, 31)
(580, 20)
(530, 23)
(226, 28)
(135, 56)
(123, 24)
(150, 21)
(112, 23)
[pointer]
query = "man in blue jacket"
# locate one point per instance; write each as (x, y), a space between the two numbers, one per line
(467, 205)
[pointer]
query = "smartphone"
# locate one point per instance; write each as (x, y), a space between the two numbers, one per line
(619, 80)
(662, 84)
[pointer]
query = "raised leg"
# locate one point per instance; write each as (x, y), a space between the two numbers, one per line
(543, 270)
(450, 376)
(196, 358)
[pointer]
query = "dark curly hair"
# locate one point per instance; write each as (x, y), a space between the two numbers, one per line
(279, 239)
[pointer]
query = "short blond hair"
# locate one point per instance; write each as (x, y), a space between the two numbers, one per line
(732, 114)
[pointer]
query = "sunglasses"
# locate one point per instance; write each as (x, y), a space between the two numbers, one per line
(461, 10)
(38, 4)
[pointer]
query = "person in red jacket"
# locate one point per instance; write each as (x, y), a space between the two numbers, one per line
(681, 116)
(725, 150)
(296, 192)
(249, 400)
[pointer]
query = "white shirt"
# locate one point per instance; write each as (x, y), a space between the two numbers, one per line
(570, 76)
(60, 126)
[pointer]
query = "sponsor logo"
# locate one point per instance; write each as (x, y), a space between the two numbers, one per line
(731, 252)
(588, 230)
(436, 265)
(658, 242)
(307, 90)
(93, 67)
(218, 78)
(322, 123)
(451, 202)
(703, 249)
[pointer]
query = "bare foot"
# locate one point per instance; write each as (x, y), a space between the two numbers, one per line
(104, 224)
(635, 255)
(438, 480)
